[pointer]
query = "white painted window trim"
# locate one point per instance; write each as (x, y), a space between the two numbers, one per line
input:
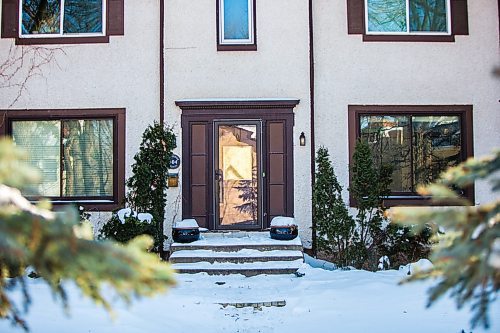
(61, 25)
(408, 32)
(226, 41)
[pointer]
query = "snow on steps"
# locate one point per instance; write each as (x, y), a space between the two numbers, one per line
(247, 253)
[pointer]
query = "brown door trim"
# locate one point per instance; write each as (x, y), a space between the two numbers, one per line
(197, 182)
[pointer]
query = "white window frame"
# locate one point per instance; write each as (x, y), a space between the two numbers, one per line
(226, 41)
(61, 25)
(408, 32)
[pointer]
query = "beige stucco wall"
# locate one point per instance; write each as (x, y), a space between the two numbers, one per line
(121, 74)
(350, 71)
(278, 69)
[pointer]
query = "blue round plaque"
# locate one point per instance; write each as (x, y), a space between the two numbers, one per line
(175, 161)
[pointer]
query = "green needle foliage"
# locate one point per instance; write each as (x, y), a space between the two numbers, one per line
(57, 248)
(334, 226)
(467, 258)
(148, 185)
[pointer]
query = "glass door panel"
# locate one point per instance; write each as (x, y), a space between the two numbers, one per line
(237, 166)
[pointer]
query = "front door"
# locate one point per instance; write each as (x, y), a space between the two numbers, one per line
(237, 162)
(237, 174)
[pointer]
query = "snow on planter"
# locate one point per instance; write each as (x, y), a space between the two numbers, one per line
(284, 228)
(186, 231)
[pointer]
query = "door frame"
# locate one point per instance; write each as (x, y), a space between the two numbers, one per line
(201, 114)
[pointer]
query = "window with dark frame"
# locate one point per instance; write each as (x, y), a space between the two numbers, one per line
(56, 18)
(236, 29)
(419, 142)
(38, 22)
(407, 20)
(79, 154)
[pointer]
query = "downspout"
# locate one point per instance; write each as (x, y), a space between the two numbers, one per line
(162, 94)
(311, 99)
(162, 61)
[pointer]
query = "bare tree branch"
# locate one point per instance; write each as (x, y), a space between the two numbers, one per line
(24, 63)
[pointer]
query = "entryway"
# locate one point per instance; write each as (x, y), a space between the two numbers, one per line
(237, 162)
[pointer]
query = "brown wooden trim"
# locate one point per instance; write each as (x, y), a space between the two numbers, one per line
(112, 28)
(408, 38)
(221, 106)
(195, 115)
(236, 47)
(62, 40)
(355, 17)
(119, 118)
(10, 19)
(412, 199)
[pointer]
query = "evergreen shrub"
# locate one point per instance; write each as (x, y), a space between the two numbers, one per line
(147, 187)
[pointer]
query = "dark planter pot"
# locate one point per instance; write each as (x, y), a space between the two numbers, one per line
(185, 235)
(284, 233)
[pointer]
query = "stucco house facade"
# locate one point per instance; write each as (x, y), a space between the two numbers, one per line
(252, 88)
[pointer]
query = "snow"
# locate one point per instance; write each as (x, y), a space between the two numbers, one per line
(282, 221)
(241, 239)
(352, 301)
(186, 224)
(249, 253)
(127, 212)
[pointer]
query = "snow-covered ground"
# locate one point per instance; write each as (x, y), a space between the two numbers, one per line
(320, 301)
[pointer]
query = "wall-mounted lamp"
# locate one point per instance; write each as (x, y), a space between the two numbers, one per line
(302, 139)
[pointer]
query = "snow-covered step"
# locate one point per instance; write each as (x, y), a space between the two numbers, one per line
(231, 242)
(241, 256)
(247, 269)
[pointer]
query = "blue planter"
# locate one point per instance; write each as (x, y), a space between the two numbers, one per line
(185, 235)
(284, 233)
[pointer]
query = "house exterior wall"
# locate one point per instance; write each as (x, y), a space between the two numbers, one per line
(118, 74)
(124, 73)
(278, 69)
(349, 71)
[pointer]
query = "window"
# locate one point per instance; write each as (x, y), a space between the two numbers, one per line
(62, 21)
(419, 142)
(236, 25)
(62, 17)
(78, 153)
(408, 16)
(408, 20)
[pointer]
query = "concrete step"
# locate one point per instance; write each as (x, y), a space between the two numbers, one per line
(247, 253)
(246, 269)
(241, 256)
(232, 242)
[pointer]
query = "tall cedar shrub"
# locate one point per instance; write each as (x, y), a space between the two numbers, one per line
(335, 228)
(148, 184)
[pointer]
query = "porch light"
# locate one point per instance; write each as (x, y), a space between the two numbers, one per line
(302, 139)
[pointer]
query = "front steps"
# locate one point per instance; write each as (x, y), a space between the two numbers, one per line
(247, 253)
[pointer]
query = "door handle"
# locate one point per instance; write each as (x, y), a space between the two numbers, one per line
(219, 177)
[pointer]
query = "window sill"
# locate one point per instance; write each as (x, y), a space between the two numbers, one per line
(62, 40)
(408, 38)
(236, 47)
(90, 206)
(394, 201)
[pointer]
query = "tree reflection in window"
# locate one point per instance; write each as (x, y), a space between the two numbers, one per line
(75, 156)
(418, 147)
(78, 17)
(392, 16)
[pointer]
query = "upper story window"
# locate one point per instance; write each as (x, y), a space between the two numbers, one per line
(62, 21)
(419, 142)
(55, 18)
(236, 25)
(407, 20)
(408, 16)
